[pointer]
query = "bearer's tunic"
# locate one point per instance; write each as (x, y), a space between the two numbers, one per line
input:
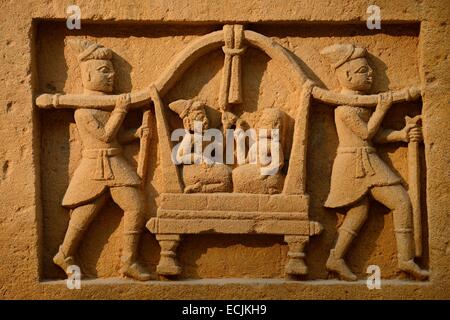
(102, 164)
(357, 167)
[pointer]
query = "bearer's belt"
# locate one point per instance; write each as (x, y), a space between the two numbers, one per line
(362, 160)
(103, 169)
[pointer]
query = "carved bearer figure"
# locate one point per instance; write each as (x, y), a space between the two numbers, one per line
(103, 170)
(358, 172)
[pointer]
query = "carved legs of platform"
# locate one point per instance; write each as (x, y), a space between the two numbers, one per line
(296, 264)
(168, 264)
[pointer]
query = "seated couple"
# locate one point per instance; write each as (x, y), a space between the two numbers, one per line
(258, 172)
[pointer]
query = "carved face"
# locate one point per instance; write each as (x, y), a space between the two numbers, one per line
(98, 75)
(196, 115)
(270, 119)
(355, 75)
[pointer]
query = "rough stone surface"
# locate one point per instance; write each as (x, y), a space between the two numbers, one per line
(41, 149)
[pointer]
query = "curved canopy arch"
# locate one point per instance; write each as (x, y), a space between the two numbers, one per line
(215, 40)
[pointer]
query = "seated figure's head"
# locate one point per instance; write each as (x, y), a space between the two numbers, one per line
(190, 111)
(97, 71)
(350, 65)
(271, 118)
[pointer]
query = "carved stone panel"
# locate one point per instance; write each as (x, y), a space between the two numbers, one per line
(256, 148)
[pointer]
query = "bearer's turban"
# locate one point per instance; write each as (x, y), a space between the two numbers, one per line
(88, 50)
(338, 54)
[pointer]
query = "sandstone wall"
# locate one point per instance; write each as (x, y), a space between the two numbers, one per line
(40, 149)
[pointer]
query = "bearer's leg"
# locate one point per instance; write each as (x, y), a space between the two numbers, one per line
(353, 221)
(80, 219)
(396, 198)
(130, 200)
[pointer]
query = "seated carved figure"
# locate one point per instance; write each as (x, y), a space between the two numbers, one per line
(200, 173)
(359, 174)
(261, 172)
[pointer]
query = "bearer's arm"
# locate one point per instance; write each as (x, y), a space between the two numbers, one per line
(411, 131)
(388, 136)
(109, 131)
(129, 135)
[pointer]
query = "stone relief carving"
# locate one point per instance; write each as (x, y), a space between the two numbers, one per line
(200, 175)
(215, 197)
(103, 171)
(358, 171)
(250, 177)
